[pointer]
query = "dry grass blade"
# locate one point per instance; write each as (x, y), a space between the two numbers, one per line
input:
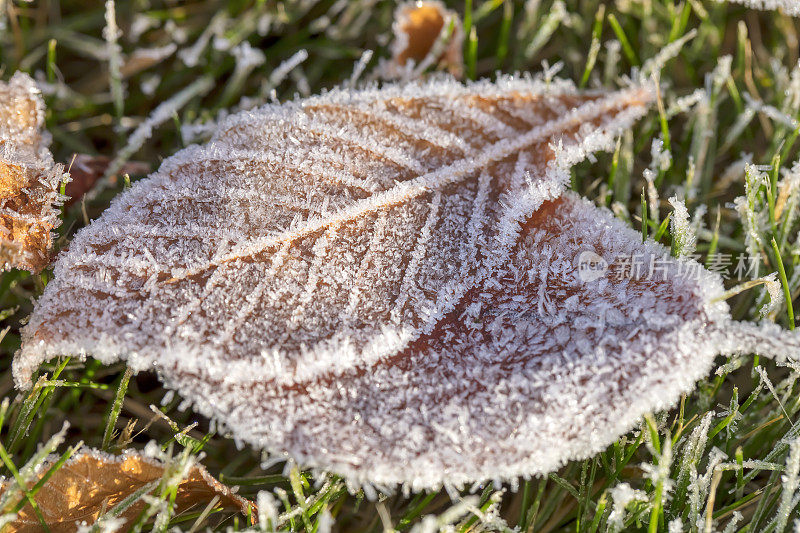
(91, 483)
(29, 179)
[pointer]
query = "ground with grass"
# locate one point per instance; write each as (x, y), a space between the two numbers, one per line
(726, 458)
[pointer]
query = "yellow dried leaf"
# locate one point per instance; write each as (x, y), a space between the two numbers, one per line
(91, 483)
(29, 178)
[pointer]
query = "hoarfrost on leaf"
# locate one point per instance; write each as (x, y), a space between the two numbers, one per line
(537, 365)
(790, 7)
(402, 262)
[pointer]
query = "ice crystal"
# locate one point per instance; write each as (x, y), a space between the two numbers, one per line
(790, 7)
(683, 235)
(776, 298)
(790, 481)
(247, 57)
(748, 208)
(622, 496)
(675, 526)
(29, 178)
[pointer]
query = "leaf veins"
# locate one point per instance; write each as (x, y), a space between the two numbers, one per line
(316, 235)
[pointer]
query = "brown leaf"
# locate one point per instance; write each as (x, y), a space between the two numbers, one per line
(91, 483)
(317, 236)
(29, 179)
(418, 28)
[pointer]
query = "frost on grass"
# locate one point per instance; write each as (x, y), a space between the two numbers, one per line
(29, 178)
(91, 484)
(579, 334)
(309, 237)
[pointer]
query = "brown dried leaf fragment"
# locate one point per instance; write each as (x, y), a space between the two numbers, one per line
(29, 178)
(312, 236)
(425, 31)
(91, 483)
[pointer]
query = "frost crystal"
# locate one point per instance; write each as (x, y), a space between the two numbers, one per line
(790, 7)
(309, 237)
(29, 179)
(683, 234)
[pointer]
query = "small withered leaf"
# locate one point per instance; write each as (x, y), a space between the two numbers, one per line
(419, 27)
(91, 483)
(312, 236)
(584, 330)
(29, 178)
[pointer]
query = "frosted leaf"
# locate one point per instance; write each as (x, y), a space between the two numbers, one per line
(551, 359)
(29, 179)
(309, 237)
(92, 482)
